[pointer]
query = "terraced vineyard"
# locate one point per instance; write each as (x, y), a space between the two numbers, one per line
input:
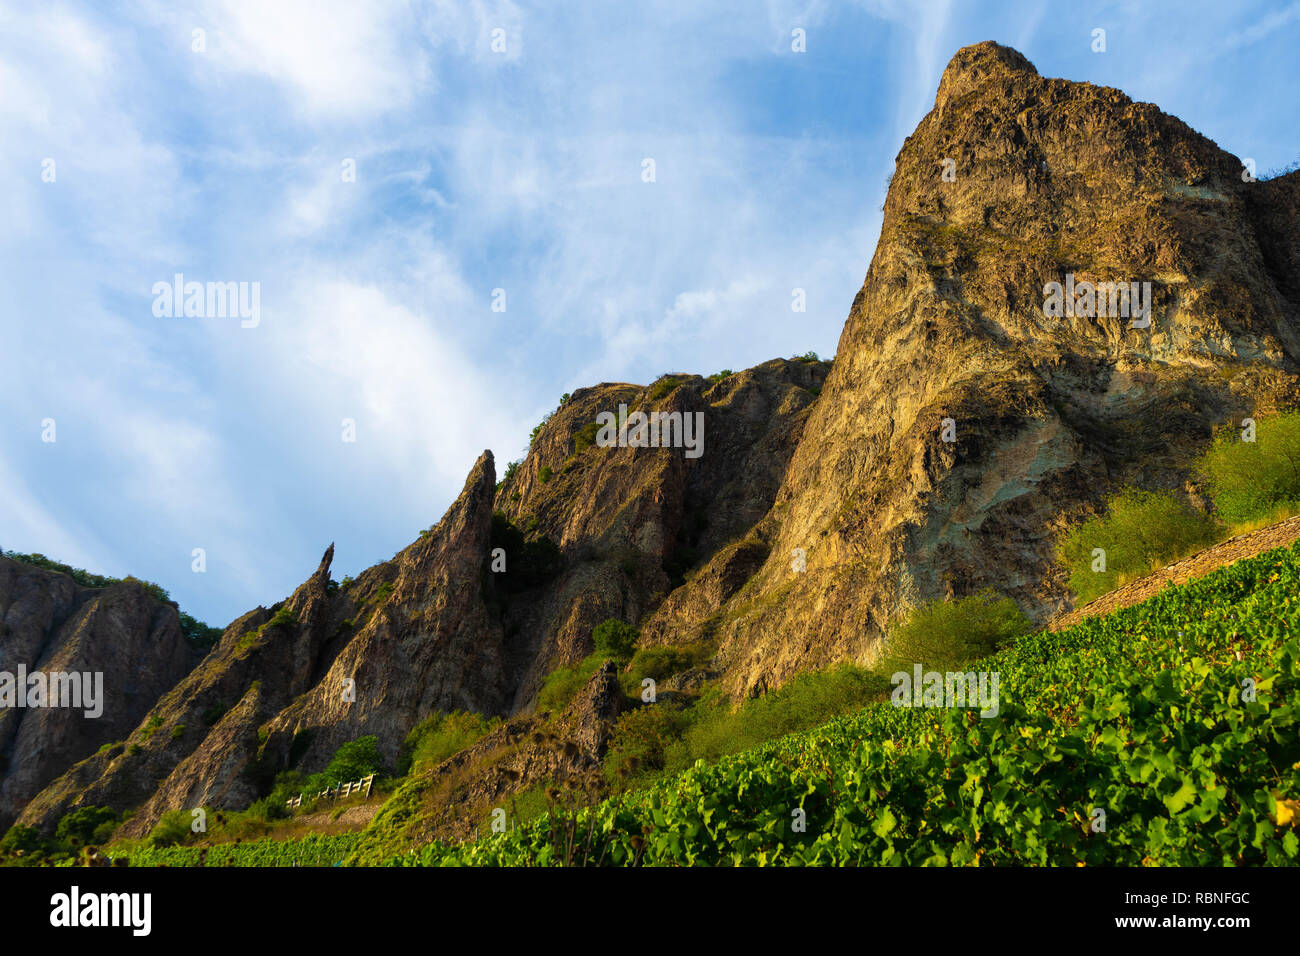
(1177, 719)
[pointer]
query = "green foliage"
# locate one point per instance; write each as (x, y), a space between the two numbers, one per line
(614, 638)
(809, 357)
(25, 839)
(314, 850)
(196, 632)
(544, 474)
(807, 700)
(441, 735)
(272, 807)
(86, 825)
(564, 399)
(1252, 480)
(663, 385)
(660, 663)
(637, 746)
(86, 579)
(511, 468)
(178, 732)
(151, 725)
(943, 634)
(585, 436)
(214, 713)
(1141, 532)
(528, 563)
(385, 589)
(347, 582)
(719, 376)
(284, 618)
(352, 761)
(562, 684)
(1141, 713)
(173, 827)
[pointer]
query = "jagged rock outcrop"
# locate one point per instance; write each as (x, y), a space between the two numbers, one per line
(1048, 177)
(639, 520)
(199, 744)
(429, 644)
(51, 624)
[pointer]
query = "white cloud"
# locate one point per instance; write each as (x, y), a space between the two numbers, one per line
(338, 59)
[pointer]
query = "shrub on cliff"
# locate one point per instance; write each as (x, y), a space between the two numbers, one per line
(173, 827)
(528, 563)
(1252, 480)
(354, 760)
(614, 638)
(1140, 532)
(639, 742)
(439, 736)
(562, 684)
(944, 634)
(86, 825)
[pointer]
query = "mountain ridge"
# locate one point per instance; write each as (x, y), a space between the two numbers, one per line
(828, 499)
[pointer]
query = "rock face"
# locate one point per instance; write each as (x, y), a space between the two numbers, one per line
(51, 624)
(959, 429)
(634, 522)
(1048, 177)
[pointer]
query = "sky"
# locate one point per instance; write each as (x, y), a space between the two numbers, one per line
(448, 216)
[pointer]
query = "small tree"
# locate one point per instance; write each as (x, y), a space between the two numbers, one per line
(355, 759)
(944, 634)
(613, 638)
(86, 825)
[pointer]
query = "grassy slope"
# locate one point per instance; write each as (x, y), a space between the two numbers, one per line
(1139, 713)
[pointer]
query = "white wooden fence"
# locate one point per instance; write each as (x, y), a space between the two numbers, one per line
(338, 790)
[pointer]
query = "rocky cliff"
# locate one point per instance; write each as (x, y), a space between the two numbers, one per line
(49, 624)
(1046, 179)
(961, 426)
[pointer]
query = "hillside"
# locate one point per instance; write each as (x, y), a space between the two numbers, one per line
(51, 623)
(1142, 713)
(958, 430)
(1237, 548)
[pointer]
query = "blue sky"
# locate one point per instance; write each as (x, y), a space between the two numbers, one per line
(476, 169)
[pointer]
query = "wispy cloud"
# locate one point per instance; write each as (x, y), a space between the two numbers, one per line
(495, 145)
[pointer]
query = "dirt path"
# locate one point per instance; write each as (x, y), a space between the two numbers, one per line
(1180, 572)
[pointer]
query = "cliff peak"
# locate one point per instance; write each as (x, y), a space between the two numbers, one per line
(973, 64)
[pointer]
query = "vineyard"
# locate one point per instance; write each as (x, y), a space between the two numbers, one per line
(1167, 733)
(309, 851)
(1176, 718)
